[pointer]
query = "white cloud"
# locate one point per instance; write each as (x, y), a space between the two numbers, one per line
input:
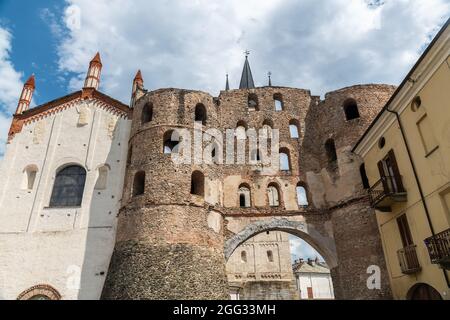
(301, 249)
(318, 45)
(10, 86)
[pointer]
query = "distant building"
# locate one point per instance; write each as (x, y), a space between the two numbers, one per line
(261, 269)
(313, 279)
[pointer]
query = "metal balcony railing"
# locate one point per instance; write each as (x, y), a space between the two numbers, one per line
(439, 248)
(409, 263)
(386, 191)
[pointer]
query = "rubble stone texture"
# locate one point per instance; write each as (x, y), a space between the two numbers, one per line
(171, 244)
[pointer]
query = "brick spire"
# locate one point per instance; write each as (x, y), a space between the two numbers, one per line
(26, 95)
(138, 83)
(93, 74)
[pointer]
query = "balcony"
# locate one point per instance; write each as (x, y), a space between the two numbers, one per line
(409, 263)
(439, 249)
(385, 192)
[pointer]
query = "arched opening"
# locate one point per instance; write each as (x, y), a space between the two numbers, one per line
(267, 128)
(244, 196)
(285, 164)
(68, 187)
(351, 109)
(269, 255)
(423, 291)
(330, 149)
(169, 143)
(244, 256)
(365, 180)
(293, 129)
(198, 184)
(273, 195)
(241, 130)
(139, 183)
(302, 195)
(200, 114)
(278, 102)
(288, 253)
(253, 102)
(40, 292)
(29, 177)
(102, 179)
(147, 113)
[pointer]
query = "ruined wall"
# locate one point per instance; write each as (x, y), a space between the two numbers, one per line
(168, 238)
(169, 242)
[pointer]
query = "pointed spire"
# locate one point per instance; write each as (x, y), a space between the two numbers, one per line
(97, 58)
(138, 83)
(26, 95)
(138, 77)
(93, 74)
(31, 82)
(246, 78)
(227, 84)
(269, 74)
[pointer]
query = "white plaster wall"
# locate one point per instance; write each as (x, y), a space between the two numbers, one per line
(321, 284)
(61, 247)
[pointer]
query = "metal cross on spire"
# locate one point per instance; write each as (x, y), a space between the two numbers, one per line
(246, 52)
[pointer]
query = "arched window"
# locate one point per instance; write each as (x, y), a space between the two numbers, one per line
(68, 187)
(365, 180)
(243, 256)
(284, 160)
(198, 183)
(29, 177)
(330, 149)
(102, 179)
(241, 129)
(244, 196)
(351, 109)
(293, 129)
(147, 113)
(302, 196)
(253, 102)
(273, 195)
(169, 143)
(139, 183)
(267, 127)
(200, 114)
(269, 255)
(278, 101)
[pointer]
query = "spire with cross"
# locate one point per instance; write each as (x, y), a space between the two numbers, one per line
(246, 78)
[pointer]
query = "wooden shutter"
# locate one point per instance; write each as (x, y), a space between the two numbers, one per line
(383, 176)
(405, 232)
(397, 176)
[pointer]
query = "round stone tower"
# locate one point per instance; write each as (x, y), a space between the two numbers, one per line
(169, 242)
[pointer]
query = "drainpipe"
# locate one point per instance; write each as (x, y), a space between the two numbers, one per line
(419, 186)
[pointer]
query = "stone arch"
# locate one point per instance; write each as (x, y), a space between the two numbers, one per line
(41, 290)
(423, 291)
(322, 244)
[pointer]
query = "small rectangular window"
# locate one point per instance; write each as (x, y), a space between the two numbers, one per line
(426, 135)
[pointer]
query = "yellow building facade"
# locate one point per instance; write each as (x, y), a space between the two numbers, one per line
(406, 154)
